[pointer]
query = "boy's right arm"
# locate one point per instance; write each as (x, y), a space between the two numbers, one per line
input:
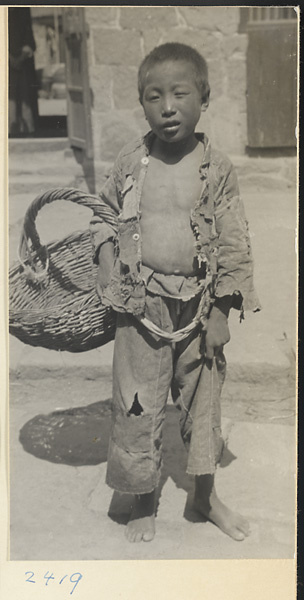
(103, 234)
(105, 256)
(100, 230)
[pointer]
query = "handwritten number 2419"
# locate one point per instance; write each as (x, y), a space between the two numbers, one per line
(75, 578)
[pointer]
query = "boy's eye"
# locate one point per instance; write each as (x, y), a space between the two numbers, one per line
(152, 96)
(180, 94)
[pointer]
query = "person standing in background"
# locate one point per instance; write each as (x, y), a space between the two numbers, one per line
(23, 96)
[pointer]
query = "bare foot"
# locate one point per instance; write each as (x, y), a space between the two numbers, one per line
(209, 505)
(141, 525)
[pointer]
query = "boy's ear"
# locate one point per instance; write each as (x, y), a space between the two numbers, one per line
(205, 102)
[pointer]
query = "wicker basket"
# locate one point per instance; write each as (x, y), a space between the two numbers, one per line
(53, 302)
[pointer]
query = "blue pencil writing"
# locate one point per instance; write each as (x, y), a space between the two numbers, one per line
(29, 579)
(75, 581)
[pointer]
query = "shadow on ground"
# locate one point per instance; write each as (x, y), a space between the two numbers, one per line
(79, 436)
(75, 437)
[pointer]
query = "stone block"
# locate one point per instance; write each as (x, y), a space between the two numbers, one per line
(117, 47)
(100, 16)
(153, 17)
(265, 182)
(206, 43)
(116, 130)
(125, 92)
(225, 126)
(152, 38)
(216, 78)
(237, 80)
(205, 124)
(272, 173)
(235, 46)
(101, 85)
(141, 120)
(241, 126)
(212, 18)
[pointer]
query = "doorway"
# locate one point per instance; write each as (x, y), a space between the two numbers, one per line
(37, 79)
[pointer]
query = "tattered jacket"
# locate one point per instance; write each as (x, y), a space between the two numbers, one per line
(220, 230)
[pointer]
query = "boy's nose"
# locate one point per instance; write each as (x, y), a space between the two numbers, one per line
(168, 106)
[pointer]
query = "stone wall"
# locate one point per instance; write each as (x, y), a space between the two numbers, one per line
(120, 37)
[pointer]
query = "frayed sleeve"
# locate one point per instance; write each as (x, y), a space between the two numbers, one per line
(234, 255)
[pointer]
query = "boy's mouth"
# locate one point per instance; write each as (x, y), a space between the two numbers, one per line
(171, 125)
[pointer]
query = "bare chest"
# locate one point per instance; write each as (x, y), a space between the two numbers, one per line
(170, 188)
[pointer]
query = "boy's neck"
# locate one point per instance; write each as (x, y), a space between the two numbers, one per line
(173, 152)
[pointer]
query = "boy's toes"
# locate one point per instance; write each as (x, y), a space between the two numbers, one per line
(148, 536)
(239, 530)
(137, 531)
(236, 534)
(246, 529)
(243, 526)
(133, 535)
(137, 537)
(130, 534)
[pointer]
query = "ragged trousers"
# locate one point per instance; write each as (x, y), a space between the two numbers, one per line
(145, 369)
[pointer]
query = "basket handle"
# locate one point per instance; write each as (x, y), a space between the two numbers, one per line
(30, 232)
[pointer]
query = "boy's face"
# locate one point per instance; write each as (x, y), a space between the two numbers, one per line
(172, 101)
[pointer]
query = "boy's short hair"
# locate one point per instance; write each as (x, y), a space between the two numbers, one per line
(175, 51)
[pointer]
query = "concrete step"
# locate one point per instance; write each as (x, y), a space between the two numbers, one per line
(47, 165)
(268, 173)
(38, 184)
(24, 146)
(50, 168)
(37, 172)
(37, 162)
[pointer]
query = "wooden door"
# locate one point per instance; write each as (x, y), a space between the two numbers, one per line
(77, 73)
(271, 76)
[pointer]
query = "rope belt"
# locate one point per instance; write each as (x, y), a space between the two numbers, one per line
(179, 334)
(175, 336)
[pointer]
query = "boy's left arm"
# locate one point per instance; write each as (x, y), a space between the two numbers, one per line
(217, 334)
(234, 286)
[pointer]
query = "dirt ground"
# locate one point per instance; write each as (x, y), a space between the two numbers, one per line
(61, 509)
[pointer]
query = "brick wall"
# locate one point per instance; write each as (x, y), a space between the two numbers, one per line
(119, 39)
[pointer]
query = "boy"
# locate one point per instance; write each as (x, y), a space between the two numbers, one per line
(180, 260)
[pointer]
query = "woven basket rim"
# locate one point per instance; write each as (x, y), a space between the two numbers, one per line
(55, 312)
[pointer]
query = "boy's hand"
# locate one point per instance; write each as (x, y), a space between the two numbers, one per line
(106, 262)
(217, 328)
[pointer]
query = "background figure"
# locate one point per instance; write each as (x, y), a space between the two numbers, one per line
(23, 103)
